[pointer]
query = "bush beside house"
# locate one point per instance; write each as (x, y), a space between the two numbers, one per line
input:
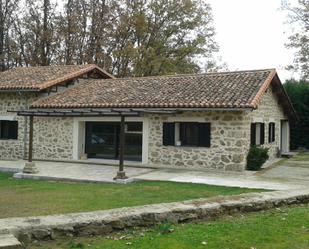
(256, 157)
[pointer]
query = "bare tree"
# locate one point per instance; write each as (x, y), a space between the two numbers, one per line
(7, 9)
(299, 19)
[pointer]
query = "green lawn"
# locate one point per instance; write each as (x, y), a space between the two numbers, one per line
(286, 228)
(33, 197)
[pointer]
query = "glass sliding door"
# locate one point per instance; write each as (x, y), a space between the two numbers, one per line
(133, 141)
(102, 140)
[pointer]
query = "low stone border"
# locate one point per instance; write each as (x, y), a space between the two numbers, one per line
(21, 175)
(104, 222)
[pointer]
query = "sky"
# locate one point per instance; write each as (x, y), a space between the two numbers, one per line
(252, 33)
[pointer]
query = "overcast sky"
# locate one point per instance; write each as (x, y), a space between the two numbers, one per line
(251, 34)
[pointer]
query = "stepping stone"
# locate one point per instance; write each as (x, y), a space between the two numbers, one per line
(8, 241)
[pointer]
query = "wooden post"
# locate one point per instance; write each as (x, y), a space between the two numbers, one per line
(30, 151)
(30, 166)
(121, 143)
(121, 173)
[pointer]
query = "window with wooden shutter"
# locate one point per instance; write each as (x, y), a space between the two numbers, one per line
(253, 134)
(8, 129)
(262, 133)
(271, 132)
(168, 134)
(189, 134)
(204, 134)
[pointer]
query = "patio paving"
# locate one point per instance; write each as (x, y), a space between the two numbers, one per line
(70, 171)
(285, 176)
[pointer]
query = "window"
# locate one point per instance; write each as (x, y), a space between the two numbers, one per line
(8, 129)
(189, 134)
(257, 133)
(186, 134)
(271, 132)
(134, 127)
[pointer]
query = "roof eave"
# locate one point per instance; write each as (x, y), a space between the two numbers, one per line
(74, 75)
(19, 90)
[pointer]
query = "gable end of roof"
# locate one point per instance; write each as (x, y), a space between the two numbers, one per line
(273, 78)
(74, 75)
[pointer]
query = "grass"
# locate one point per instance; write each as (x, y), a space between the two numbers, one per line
(284, 228)
(34, 197)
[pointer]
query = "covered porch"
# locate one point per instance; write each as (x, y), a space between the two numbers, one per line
(106, 135)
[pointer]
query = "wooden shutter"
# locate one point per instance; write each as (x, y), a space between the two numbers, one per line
(253, 134)
(262, 133)
(270, 128)
(274, 132)
(204, 134)
(168, 134)
(13, 129)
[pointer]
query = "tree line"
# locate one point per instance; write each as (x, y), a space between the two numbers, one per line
(298, 92)
(127, 38)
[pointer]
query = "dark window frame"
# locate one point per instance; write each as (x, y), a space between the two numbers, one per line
(8, 130)
(201, 134)
(253, 132)
(271, 132)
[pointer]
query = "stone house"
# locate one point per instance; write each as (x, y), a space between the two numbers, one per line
(198, 121)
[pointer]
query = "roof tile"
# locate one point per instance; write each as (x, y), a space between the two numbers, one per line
(39, 78)
(216, 90)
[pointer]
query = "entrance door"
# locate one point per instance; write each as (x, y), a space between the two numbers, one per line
(285, 136)
(102, 140)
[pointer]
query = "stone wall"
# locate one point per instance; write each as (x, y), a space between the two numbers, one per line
(270, 111)
(28, 229)
(53, 138)
(14, 149)
(228, 137)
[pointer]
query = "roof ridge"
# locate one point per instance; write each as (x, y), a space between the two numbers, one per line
(198, 74)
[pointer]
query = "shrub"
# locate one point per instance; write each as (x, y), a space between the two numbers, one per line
(256, 157)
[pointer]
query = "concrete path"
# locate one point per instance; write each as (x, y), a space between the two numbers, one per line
(244, 179)
(70, 171)
(288, 175)
(289, 169)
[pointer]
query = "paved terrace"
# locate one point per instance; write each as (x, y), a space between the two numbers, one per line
(286, 176)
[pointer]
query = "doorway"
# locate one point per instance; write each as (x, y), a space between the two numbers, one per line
(102, 140)
(285, 137)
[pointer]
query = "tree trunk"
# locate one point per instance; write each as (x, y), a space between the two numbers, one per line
(45, 36)
(2, 65)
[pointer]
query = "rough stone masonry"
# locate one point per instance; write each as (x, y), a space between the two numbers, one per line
(103, 222)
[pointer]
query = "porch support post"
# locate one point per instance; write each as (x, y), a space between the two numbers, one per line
(121, 173)
(30, 149)
(30, 166)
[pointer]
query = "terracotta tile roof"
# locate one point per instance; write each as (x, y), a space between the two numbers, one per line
(39, 78)
(240, 89)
